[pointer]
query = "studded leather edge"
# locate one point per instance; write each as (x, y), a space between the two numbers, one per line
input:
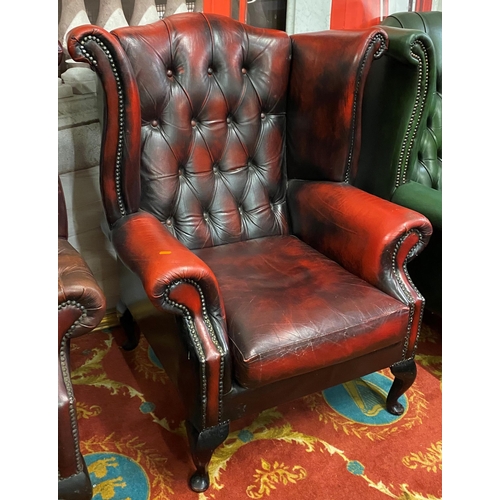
(377, 38)
(416, 114)
(64, 362)
(198, 346)
(407, 292)
(121, 109)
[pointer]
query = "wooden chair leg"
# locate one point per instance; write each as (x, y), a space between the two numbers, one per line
(202, 446)
(129, 326)
(404, 373)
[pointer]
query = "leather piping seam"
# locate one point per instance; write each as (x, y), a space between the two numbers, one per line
(121, 112)
(420, 100)
(67, 382)
(377, 38)
(406, 291)
(198, 346)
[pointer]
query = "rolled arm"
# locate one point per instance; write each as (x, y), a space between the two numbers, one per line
(407, 46)
(176, 280)
(161, 261)
(81, 307)
(371, 237)
(81, 301)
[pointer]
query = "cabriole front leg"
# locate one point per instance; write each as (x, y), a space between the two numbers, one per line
(203, 445)
(405, 373)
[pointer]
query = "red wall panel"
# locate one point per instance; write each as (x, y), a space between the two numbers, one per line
(217, 7)
(353, 14)
(423, 5)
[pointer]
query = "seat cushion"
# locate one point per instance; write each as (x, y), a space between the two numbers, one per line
(291, 310)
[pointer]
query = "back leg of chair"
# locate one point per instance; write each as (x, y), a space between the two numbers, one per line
(203, 445)
(404, 373)
(129, 326)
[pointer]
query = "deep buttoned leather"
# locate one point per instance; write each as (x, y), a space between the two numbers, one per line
(212, 127)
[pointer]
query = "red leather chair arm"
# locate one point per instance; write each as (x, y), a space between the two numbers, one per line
(160, 260)
(369, 236)
(175, 279)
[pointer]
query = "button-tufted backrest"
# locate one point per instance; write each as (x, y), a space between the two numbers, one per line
(427, 169)
(212, 98)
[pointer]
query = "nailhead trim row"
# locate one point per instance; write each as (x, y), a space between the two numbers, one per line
(121, 114)
(377, 38)
(67, 382)
(406, 291)
(422, 91)
(197, 343)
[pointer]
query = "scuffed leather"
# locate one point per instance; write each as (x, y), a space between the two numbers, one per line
(370, 237)
(291, 310)
(77, 283)
(163, 261)
(356, 229)
(120, 187)
(84, 305)
(212, 127)
(194, 180)
(167, 268)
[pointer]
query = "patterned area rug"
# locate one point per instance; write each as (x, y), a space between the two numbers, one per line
(339, 444)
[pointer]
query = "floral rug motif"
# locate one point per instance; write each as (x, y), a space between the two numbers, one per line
(337, 444)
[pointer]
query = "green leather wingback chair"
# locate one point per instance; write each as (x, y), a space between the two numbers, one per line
(401, 152)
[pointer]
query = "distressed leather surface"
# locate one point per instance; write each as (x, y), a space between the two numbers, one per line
(291, 310)
(360, 231)
(175, 279)
(206, 122)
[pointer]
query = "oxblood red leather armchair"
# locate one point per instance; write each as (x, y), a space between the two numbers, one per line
(256, 271)
(81, 306)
